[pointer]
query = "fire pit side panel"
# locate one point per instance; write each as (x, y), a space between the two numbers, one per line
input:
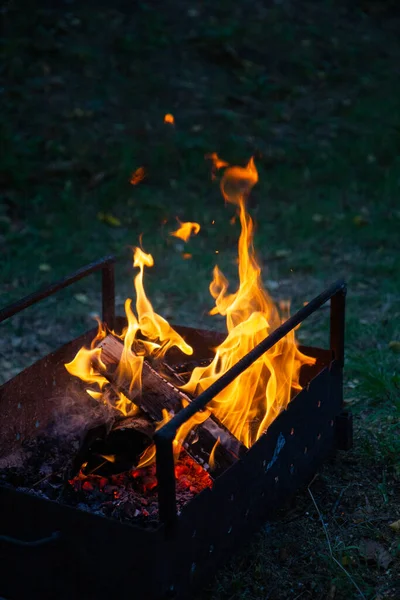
(219, 521)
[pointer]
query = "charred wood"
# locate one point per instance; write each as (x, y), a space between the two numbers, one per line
(206, 438)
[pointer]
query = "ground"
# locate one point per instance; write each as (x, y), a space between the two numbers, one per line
(311, 90)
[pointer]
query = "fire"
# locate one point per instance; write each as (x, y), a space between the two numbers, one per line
(159, 337)
(254, 399)
(186, 230)
(169, 119)
(248, 405)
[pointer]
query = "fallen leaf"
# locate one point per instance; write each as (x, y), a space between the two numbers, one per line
(395, 526)
(360, 220)
(283, 253)
(44, 267)
(373, 551)
(317, 218)
(353, 383)
(109, 219)
(96, 180)
(82, 298)
(394, 345)
(61, 166)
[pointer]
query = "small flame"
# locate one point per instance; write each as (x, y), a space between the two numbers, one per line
(186, 230)
(186, 256)
(169, 119)
(137, 176)
(211, 460)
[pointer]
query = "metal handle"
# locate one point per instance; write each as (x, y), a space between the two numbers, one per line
(106, 265)
(164, 437)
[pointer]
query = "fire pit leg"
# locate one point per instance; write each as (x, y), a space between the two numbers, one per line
(166, 480)
(108, 294)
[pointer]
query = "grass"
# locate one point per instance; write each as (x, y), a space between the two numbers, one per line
(311, 90)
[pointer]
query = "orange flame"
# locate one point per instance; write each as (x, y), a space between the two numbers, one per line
(137, 176)
(249, 404)
(160, 336)
(185, 230)
(169, 119)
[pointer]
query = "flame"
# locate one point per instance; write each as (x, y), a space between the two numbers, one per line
(137, 176)
(82, 366)
(159, 337)
(211, 460)
(149, 455)
(249, 404)
(186, 230)
(169, 119)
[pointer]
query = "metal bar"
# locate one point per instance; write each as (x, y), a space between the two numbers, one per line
(164, 437)
(108, 294)
(337, 325)
(103, 263)
(166, 482)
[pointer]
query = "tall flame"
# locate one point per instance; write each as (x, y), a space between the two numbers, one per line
(249, 404)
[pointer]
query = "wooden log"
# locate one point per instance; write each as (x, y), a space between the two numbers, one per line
(106, 451)
(158, 394)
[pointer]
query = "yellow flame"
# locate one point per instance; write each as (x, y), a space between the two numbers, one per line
(83, 366)
(152, 325)
(211, 460)
(159, 337)
(249, 404)
(186, 230)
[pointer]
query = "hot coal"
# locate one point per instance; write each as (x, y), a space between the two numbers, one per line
(132, 495)
(44, 465)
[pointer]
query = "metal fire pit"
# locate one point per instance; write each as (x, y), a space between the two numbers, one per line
(49, 550)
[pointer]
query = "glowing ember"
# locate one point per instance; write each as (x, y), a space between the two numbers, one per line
(186, 230)
(169, 119)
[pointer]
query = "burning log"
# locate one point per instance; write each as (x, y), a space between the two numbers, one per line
(106, 451)
(207, 439)
(157, 393)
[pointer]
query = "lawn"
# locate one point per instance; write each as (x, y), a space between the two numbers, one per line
(311, 90)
